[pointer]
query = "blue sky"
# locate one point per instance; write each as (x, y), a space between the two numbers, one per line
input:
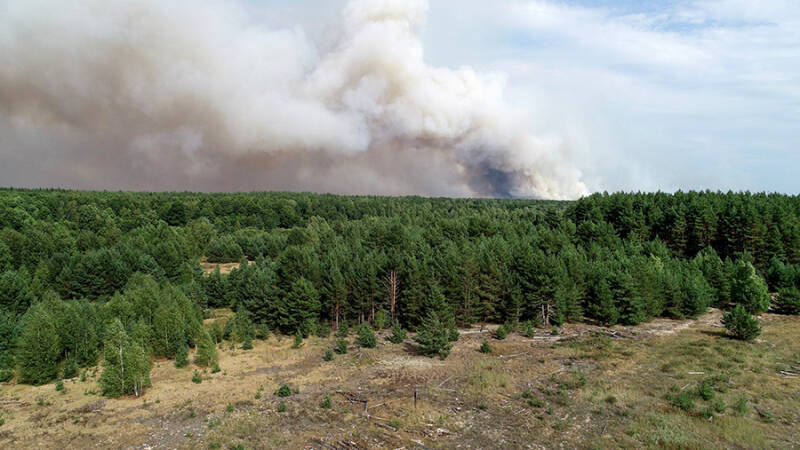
(649, 95)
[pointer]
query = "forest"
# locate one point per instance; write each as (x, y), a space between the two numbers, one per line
(117, 276)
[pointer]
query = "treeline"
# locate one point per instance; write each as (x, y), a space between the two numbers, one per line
(88, 269)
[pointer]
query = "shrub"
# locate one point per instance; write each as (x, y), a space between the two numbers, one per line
(2, 420)
(196, 377)
(326, 402)
(741, 405)
(788, 301)
(298, 340)
(229, 408)
(398, 333)
(485, 347)
(555, 331)
(281, 407)
(283, 391)
(381, 319)
(366, 337)
(70, 369)
(719, 406)
(741, 324)
(324, 330)
(344, 329)
(706, 390)
(60, 386)
(500, 333)
(683, 400)
(328, 355)
(528, 330)
(182, 356)
(341, 346)
(262, 332)
(247, 342)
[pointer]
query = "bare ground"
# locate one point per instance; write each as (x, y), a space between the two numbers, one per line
(588, 386)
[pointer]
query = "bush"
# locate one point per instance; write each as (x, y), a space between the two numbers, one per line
(398, 333)
(281, 407)
(366, 337)
(326, 402)
(741, 405)
(196, 377)
(182, 356)
(247, 342)
(70, 369)
(328, 355)
(788, 301)
(341, 346)
(381, 319)
(324, 330)
(706, 390)
(298, 340)
(683, 400)
(283, 391)
(485, 347)
(60, 386)
(528, 330)
(500, 333)
(741, 324)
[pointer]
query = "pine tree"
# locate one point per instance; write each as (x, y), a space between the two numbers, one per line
(126, 369)
(741, 324)
(182, 356)
(38, 346)
(206, 351)
(366, 337)
(749, 289)
(398, 333)
(787, 301)
(434, 336)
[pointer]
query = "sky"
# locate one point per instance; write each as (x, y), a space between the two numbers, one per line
(562, 97)
(654, 95)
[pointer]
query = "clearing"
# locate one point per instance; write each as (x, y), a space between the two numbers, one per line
(667, 383)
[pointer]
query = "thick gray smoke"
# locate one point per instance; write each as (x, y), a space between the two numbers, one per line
(198, 95)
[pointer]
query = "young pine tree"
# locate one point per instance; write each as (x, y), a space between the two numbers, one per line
(749, 289)
(206, 351)
(741, 324)
(182, 356)
(398, 333)
(126, 369)
(434, 337)
(366, 337)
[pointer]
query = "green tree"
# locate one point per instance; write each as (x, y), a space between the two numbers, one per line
(366, 337)
(182, 356)
(206, 354)
(398, 333)
(38, 346)
(749, 289)
(741, 324)
(126, 369)
(787, 301)
(434, 336)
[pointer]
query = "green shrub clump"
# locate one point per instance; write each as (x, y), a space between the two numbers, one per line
(741, 324)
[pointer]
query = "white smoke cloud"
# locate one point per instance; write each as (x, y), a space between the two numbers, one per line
(198, 95)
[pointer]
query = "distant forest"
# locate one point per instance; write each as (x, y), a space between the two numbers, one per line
(85, 273)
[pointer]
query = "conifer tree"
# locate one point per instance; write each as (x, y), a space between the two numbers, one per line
(38, 346)
(398, 333)
(206, 351)
(366, 337)
(434, 336)
(749, 289)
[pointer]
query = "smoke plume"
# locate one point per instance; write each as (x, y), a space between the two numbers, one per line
(198, 95)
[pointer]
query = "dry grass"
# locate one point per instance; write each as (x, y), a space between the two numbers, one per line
(580, 389)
